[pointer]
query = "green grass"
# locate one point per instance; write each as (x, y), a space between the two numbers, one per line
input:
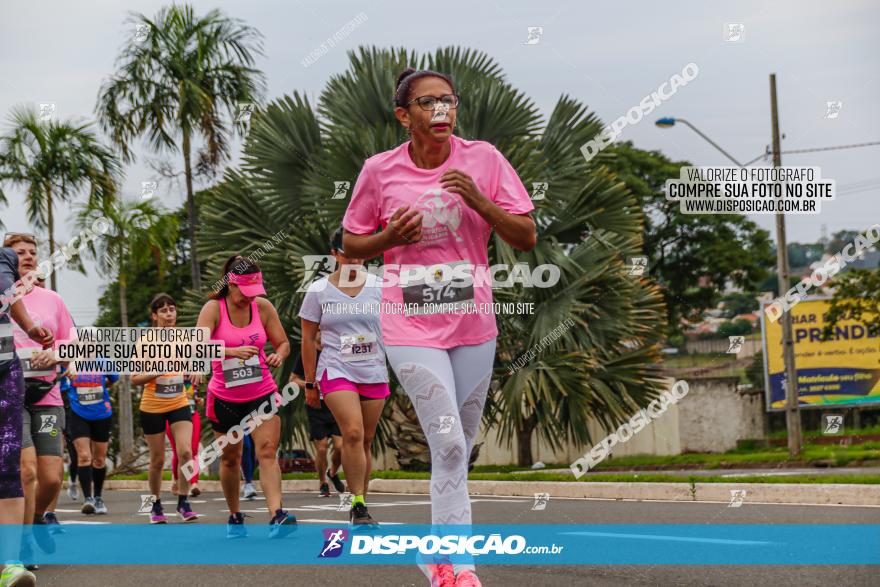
(838, 455)
(810, 434)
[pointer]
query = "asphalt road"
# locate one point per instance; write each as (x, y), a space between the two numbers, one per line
(414, 509)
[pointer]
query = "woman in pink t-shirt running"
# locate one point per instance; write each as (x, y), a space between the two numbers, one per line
(437, 199)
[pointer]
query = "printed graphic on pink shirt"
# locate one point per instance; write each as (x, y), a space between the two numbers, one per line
(441, 216)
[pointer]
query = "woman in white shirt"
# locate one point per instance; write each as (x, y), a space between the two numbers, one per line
(351, 374)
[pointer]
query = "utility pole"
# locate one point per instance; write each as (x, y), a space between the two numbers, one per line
(792, 411)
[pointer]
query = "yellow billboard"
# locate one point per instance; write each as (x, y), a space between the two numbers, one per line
(841, 371)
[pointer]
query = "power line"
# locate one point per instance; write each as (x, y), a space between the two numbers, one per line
(768, 153)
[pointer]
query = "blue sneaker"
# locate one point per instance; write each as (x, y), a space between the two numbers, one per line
(282, 524)
(235, 526)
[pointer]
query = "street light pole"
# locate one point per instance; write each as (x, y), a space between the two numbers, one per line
(792, 411)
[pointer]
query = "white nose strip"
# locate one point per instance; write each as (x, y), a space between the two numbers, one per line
(440, 112)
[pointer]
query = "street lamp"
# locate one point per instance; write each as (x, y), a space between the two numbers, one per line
(792, 419)
(668, 122)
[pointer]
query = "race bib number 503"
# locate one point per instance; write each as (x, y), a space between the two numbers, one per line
(238, 372)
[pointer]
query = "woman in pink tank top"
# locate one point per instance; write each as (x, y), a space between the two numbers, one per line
(242, 383)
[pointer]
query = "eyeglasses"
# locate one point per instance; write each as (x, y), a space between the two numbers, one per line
(25, 236)
(428, 102)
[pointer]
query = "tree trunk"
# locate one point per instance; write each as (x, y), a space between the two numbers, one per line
(51, 225)
(192, 214)
(524, 442)
(126, 419)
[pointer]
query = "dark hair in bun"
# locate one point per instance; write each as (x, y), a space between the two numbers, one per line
(408, 76)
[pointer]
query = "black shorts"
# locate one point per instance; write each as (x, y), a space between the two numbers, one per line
(96, 430)
(229, 414)
(155, 423)
(321, 423)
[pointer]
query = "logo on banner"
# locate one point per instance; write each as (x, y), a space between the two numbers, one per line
(334, 540)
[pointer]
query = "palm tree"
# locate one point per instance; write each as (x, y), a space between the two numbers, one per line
(54, 161)
(176, 75)
(600, 368)
(139, 232)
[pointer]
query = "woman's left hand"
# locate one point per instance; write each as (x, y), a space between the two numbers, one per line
(273, 360)
(43, 359)
(461, 183)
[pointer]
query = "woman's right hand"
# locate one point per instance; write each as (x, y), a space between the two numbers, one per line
(41, 335)
(405, 227)
(312, 398)
(243, 352)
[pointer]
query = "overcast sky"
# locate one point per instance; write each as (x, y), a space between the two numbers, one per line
(608, 55)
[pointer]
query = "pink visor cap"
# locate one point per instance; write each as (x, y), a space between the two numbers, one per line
(250, 285)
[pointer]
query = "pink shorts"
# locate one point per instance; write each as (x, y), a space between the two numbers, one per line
(365, 390)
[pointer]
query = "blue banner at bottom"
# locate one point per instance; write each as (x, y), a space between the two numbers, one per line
(526, 544)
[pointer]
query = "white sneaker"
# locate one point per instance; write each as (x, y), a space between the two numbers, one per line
(100, 508)
(88, 506)
(72, 491)
(249, 492)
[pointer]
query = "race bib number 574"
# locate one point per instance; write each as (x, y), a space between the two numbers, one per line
(434, 295)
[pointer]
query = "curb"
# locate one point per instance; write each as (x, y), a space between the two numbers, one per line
(773, 493)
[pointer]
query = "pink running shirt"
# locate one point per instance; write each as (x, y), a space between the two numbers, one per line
(47, 309)
(256, 380)
(451, 232)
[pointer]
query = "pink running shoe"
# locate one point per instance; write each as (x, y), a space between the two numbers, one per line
(185, 511)
(467, 579)
(157, 515)
(442, 576)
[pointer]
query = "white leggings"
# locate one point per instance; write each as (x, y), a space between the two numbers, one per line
(447, 388)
